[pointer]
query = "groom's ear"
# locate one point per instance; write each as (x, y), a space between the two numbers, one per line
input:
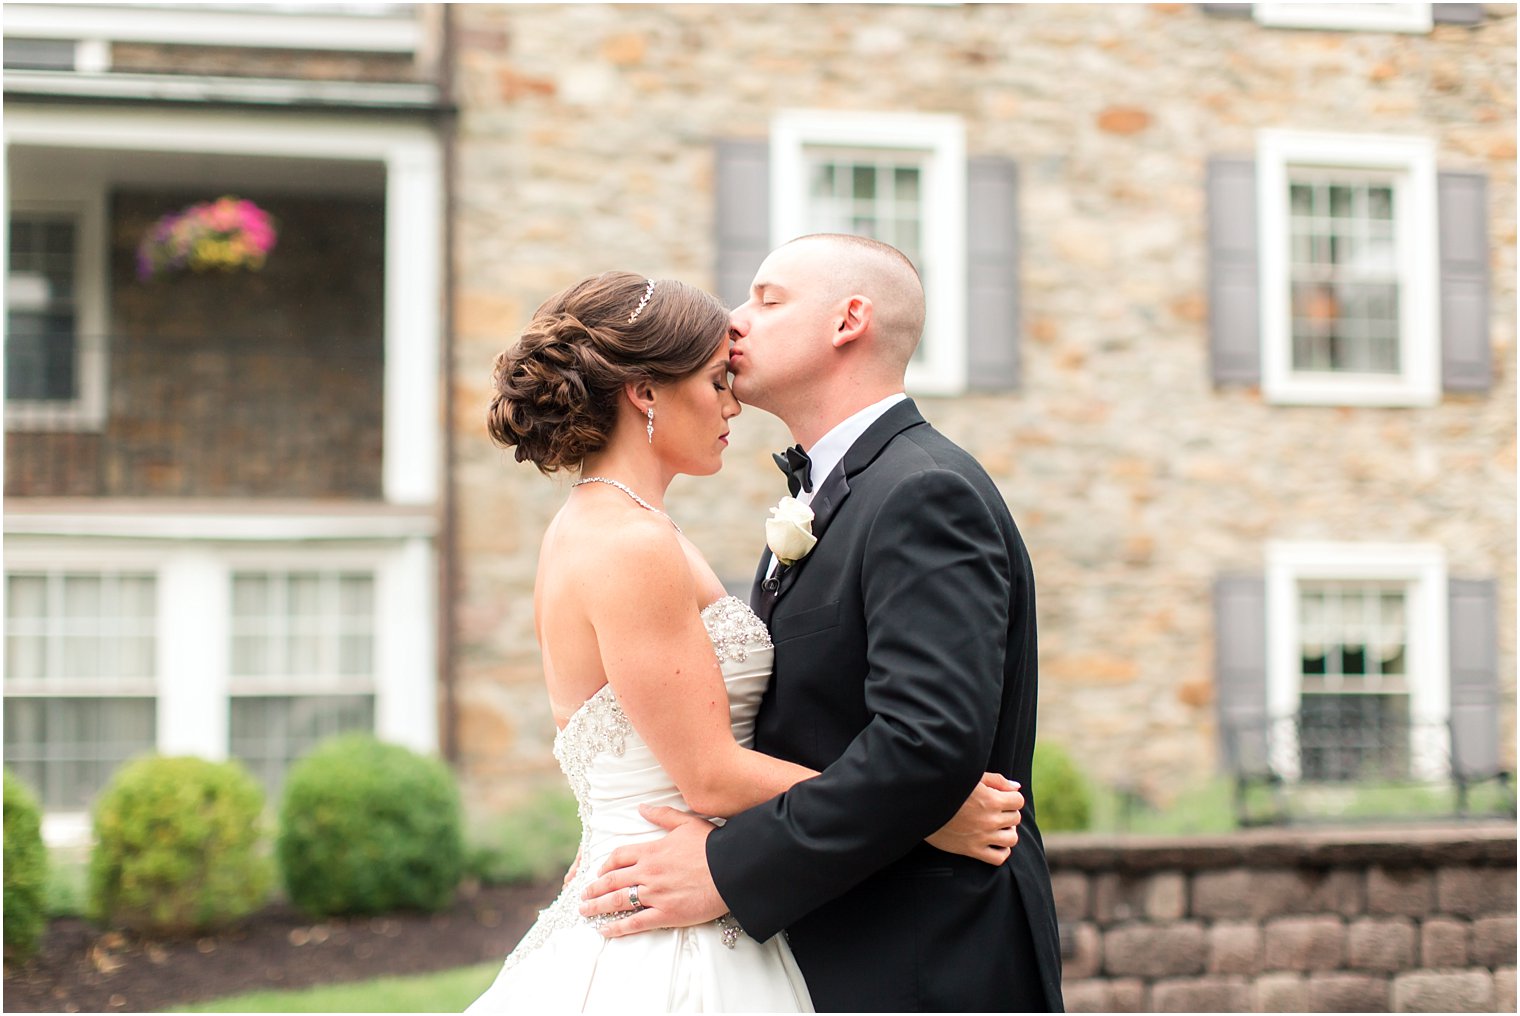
(853, 321)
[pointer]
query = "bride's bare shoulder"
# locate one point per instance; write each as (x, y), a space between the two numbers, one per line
(597, 545)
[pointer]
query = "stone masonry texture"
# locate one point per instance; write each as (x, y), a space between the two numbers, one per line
(585, 141)
(1329, 952)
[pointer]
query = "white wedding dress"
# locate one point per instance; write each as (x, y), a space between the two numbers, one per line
(563, 964)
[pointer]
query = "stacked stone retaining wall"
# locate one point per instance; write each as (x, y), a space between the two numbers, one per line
(1407, 920)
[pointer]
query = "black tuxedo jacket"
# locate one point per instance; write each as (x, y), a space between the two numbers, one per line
(905, 668)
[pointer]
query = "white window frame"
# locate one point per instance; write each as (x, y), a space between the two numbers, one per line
(281, 26)
(941, 367)
(1412, 161)
(1349, 17)
(193, 686)
(1422, 570)
(84, 200)
(412, 467)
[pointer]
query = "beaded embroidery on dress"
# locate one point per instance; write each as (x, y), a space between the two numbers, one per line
(563, 963)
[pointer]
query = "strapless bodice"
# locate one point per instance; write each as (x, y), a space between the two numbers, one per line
(612, 770)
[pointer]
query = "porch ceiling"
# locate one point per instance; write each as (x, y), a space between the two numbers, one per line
(169, 170)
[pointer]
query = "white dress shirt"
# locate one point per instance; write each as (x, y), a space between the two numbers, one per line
(831, 448)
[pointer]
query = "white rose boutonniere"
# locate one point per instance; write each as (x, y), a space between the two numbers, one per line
(789, 531)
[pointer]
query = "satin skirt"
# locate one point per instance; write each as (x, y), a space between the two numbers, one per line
(669, 970)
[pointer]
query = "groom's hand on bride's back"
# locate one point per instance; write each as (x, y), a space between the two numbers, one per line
(987, 826)
(675, 888)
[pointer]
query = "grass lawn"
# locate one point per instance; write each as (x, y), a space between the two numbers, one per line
(447, 991)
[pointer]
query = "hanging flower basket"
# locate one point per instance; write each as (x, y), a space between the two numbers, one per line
(222, 235)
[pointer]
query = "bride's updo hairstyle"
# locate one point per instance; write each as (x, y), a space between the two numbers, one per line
(556, 389)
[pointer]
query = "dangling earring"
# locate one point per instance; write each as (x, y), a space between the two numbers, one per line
(650, 429)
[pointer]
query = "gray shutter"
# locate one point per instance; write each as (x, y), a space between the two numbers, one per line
(743, 217)
(1234, 285)
(1240, 671)
(1474, 639)
(1466, 362)
(1456, 14)
(1227, 10)
(992, 274)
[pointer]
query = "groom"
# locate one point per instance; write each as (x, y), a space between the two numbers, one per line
(904, 667)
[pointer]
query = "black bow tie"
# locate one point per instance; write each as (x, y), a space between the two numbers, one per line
(794, 462)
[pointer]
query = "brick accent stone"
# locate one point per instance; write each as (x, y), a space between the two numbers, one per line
(1381, 943)
(1165, 897)
(1234, 948)
(1124, 995)
(1086, 959)
(1443, 942)
(1222, 894)
(1493, 941)
(1504, 989)
(1158, 897)
(1346, 992)
(1070, 889)
(1201, 994)
(1474, 892)
(1282, 993)
(1116, 898)
(1407, 892)
(1128, 994)
(1085, 996)
(1149, 950)
(1304, 943)
(1443, 991)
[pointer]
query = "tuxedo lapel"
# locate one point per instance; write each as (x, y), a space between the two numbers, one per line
(757, 597)
(826, 502)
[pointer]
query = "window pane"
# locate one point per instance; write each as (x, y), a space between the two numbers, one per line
(863, 180)
(1343, 272)
(905, 183)
(67, 748)
(1345, 738)
(268, 733)
(822, 180)
(42, 339)
(1380, 202)
(306, 625)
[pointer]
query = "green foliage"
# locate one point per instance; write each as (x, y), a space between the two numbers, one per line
(25, 870)
(445, 991)
(177, 846)
(68, 883)
(1063, 798)
(533, 842)
(367, 827)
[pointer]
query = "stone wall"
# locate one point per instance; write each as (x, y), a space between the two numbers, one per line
(586, 140)
(1410, 920)
(262, 384)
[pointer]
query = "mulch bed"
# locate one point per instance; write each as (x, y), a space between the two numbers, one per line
(82, 969)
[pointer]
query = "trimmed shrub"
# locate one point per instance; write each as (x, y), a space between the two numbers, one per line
(25, 870)
(367, 827)
(177, 846)
(1063, 798)
(533, 842)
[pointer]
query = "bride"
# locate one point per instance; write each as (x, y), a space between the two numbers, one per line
(654, 674)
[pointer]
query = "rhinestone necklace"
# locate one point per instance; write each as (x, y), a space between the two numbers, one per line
(624, 488)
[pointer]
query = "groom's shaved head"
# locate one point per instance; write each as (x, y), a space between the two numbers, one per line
(859, 265)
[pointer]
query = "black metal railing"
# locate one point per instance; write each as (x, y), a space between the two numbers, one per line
(1356, 760)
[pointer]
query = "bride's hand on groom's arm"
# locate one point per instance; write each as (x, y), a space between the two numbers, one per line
(675, 888)
(987, 826)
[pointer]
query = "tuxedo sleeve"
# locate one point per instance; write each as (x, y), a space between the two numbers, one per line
(935, 592)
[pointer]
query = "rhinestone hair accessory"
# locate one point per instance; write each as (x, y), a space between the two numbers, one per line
(648, 292)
